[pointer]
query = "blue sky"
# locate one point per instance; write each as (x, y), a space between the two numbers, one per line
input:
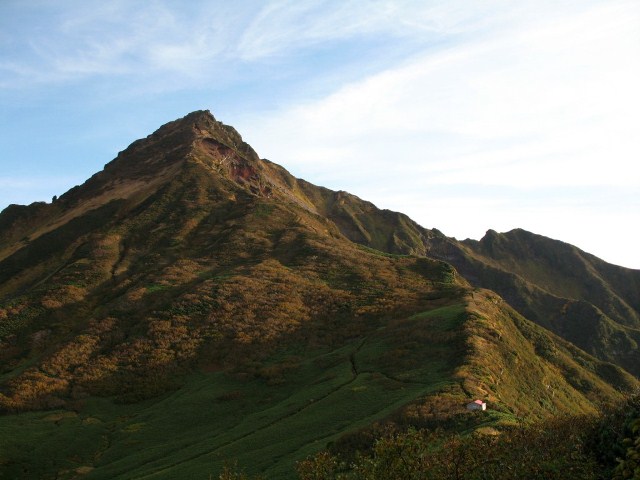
(465, 115)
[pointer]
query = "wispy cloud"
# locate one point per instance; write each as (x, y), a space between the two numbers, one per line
(553, 97)
(543, 102)
(413, 104)
(287, 26)
(75, 41)
(111, 39)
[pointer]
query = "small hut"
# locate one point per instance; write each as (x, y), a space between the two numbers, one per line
(477, 405)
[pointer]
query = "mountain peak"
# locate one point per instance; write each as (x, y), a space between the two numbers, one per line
(152, 160)
(195, 129)
(205, 126)
(189, 268)
(198, 114)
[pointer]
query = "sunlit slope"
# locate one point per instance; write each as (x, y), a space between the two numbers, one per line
(420, 369)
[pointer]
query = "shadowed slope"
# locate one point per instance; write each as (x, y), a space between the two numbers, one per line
(591, 303)
(581, 298)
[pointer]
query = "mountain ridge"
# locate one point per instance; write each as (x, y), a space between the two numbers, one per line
(280, 308)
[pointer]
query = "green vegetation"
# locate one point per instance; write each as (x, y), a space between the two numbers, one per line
(244, 415)
(585, 300)
(553, 450)
(378, 252)
(582, 448)
(191, 305)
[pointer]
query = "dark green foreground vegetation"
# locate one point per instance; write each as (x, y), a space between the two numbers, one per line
(577, 448)
(212, 417)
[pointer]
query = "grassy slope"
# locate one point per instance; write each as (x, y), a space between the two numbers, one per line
(531, 371)
(592, 304)
(228, 307)
(565, 271)
(230, 282)
(442, 354)
(218, 416)
(586, 301)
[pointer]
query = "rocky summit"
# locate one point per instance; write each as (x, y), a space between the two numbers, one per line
(192, 304)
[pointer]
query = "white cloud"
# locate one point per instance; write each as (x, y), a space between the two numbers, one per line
(72, 41)
(544, 104)
(538, 96)
(553, 103)
(112, 39)
(283, 26)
